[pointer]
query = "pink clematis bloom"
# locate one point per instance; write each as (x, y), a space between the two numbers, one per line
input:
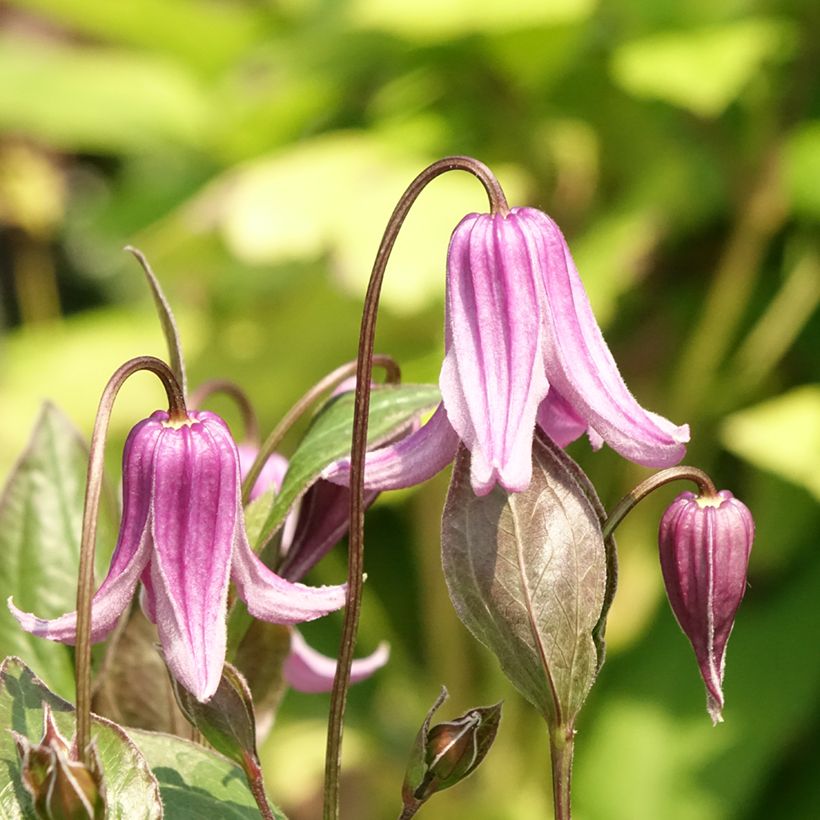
(183, 536)
(310, 531)
(522, 348)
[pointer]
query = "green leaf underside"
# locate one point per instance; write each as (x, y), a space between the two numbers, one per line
(392, 407)
(527, 576)
(131, 788)
(41, 513)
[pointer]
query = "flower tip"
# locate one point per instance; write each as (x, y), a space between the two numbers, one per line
(715, 708)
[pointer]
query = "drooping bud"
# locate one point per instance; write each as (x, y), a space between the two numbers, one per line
(448, 752)
(61, 787)
(705, 543)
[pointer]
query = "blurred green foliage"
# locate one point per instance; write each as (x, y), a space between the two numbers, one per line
(254, 150)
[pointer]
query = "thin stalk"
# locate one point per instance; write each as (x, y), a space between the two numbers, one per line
(338, 697)
(88, 538)
(410, 810)
(257, 786)
(229, 388)
(620, 510)
(562, 746)
(333, 379)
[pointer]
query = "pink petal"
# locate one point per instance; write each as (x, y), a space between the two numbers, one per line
(579, 364)
(273, 471)
(131, 554)
(196, 516)
(492, 379)
(408, 462)
(307, 670)
(271, 598)
(559, 421)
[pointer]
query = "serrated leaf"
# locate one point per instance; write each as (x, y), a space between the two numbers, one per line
(527, 576)
(195, 782)
(40, 521)
(391, 408)
(131, 789)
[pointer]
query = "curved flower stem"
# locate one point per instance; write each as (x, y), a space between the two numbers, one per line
(232, 389)
(620, 510)
(333, 379)
(85, 576)
(562, 745)
(338, 697)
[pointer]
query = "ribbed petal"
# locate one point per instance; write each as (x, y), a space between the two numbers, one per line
(195, 519)
(704, 554)
(323, 519)
(408, 462)
(131, 554)
(307, 670)
(578, 362)
(492, 379)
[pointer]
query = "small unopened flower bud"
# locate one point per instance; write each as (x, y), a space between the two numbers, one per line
(705, 543)
(448, 752)
(61, 787)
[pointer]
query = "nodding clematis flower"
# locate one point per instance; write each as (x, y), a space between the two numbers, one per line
(317, 524)
(183, 536)
(522, 348)
(704, 550)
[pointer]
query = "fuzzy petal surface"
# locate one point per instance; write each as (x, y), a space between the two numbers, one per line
(704, 554)
(492, 379)
(409, 461)
(307, 670)
(196, 517)
(579, 364)
(131, 555)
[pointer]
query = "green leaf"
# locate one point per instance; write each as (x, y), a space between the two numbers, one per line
(781, 435)
(195, 782)
(802, 168)
(391, 408)
(527, 576)
(131, 789)
(40, 521)
(702, 69)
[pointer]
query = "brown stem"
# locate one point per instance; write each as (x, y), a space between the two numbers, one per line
(620, 510)
(85, 575)
(333, 379)
(232, 389)
(410, 811)
(257, 785)
(562, 745)
(338, 697)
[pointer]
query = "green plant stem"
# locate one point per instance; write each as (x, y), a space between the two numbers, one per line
(257, 785)
(622, 508)
(410, 810)
(562, 746)
(88, 537)
(333, 379)
(338, 697)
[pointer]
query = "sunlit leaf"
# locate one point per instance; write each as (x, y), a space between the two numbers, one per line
(40, 521)
(130, 787)
(703, 69)
(781, 435)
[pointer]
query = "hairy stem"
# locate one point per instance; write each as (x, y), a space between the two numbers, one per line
(562, 746)
(338, 697)
(620, 510)
(88, 538)
(333, 379)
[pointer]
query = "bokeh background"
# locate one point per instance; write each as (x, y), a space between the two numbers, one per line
(254, 149)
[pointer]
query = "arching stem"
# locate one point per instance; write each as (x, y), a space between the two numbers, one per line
(620, 510)
(338, 698)
(85, 577)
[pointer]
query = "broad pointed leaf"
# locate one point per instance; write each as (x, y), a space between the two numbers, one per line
(527, 575)
(41, 511)
(131, 789)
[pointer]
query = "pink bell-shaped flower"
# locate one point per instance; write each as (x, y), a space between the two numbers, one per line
(704, 551)
(183, 536)
(522, 348)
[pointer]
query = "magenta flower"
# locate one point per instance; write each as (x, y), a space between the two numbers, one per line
(309, 532)
(522, 348)
(704, 551)
(183, 535)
